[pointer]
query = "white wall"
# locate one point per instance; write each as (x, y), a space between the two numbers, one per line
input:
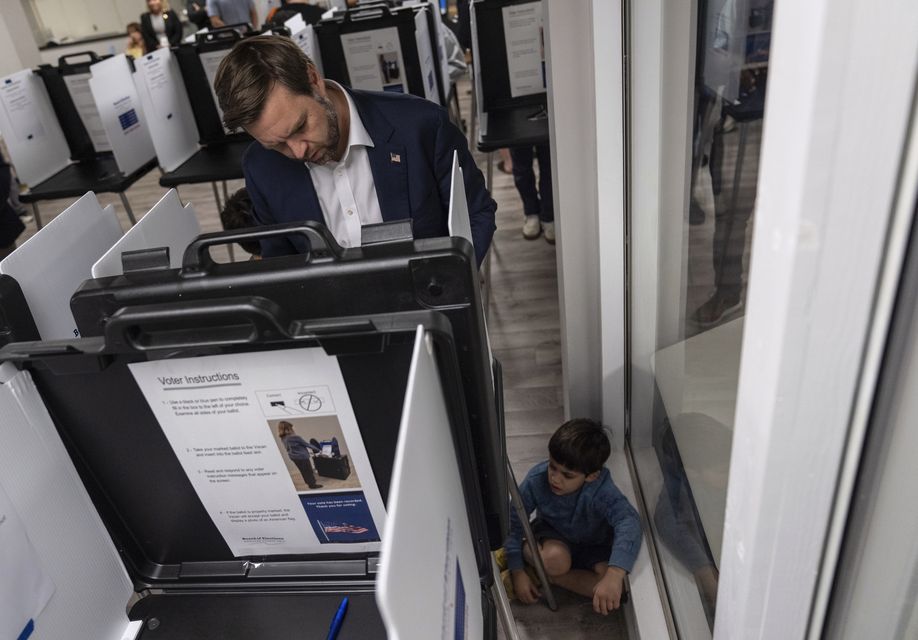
(569, 50)
(827, 186)
(610, 207)
(17, 45)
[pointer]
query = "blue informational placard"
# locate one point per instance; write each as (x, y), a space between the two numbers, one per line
(29, 628)
(459, 629)
(340, 517)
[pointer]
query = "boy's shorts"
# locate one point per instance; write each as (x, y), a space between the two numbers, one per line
(583, 556)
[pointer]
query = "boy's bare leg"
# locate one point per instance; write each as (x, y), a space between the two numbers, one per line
(556, 557)
(581, 581)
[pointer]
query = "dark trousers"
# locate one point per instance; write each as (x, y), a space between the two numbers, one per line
(536, 202)
(305, 467)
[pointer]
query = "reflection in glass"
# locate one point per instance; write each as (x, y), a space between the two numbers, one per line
(684, 472)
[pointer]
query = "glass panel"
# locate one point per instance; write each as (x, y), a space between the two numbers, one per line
(687, 319)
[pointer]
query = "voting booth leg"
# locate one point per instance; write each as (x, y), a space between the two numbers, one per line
(217, 197)
(36, 215)
(230, 248)
(734, 197)
(455, 112)
(504, 613)
(127, 207)
(473, 112)
(528, 535)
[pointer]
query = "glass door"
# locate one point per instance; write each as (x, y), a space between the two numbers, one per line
(698, 80)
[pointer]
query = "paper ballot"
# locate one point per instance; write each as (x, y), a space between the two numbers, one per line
(428, 524)
(24, 587)
(52, 264)
(459, 224)
(168, 224)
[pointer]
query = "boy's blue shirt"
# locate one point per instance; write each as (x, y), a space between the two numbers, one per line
(595, 514)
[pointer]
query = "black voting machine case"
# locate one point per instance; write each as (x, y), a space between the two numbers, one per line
(190, 584)
(369, 18)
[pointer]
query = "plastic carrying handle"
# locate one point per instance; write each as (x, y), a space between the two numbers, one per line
(199, 323)
(321, 243)
(230, 32)
(367, 12)
(64, 61)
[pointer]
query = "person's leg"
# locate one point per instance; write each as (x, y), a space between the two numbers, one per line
(305, 467)
(506, 162)
(581, 581)
(546, 194)
(556, 557)
(524, 179)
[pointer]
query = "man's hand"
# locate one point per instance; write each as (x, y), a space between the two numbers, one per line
(607, 594)
(527, 592)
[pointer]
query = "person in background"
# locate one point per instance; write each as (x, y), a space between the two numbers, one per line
(10, 224)
(236, 215)
(134, 47)
(197, 15)
(538, 204)
(160, 26)
(278, 15)
(226, 12)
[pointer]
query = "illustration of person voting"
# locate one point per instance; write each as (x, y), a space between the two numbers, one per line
(299, 451)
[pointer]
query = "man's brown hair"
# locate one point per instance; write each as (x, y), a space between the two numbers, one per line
(249, 72)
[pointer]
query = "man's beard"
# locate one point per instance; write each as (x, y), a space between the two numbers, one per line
(334, 132)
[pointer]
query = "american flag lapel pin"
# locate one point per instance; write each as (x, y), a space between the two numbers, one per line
(395, 158)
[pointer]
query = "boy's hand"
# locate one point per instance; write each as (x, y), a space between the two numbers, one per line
(527, 592)
(607, 594)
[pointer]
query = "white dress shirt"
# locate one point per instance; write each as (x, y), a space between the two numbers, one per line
(346, 189)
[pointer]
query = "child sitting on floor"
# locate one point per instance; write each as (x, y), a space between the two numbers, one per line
(588, 532)
(237, 214)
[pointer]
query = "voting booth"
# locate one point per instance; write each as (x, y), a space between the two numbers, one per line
(51, 265)
(160, 447)
(377, 47)
(509, 73)
(219, 156)
(76, 127)
(199, 62)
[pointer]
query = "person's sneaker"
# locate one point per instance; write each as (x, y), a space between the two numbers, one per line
(695, 214)
(26, 218)
(507, 581)
(500, 557)
(548, 228)
(532, 227)
(717, 308)
(315, 486)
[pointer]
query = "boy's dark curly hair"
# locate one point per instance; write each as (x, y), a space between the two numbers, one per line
(237, 214)
(580, 445)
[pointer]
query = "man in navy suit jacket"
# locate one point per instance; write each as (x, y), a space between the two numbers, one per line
(305, 130)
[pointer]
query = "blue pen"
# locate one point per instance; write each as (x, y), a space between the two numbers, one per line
(337, 621)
